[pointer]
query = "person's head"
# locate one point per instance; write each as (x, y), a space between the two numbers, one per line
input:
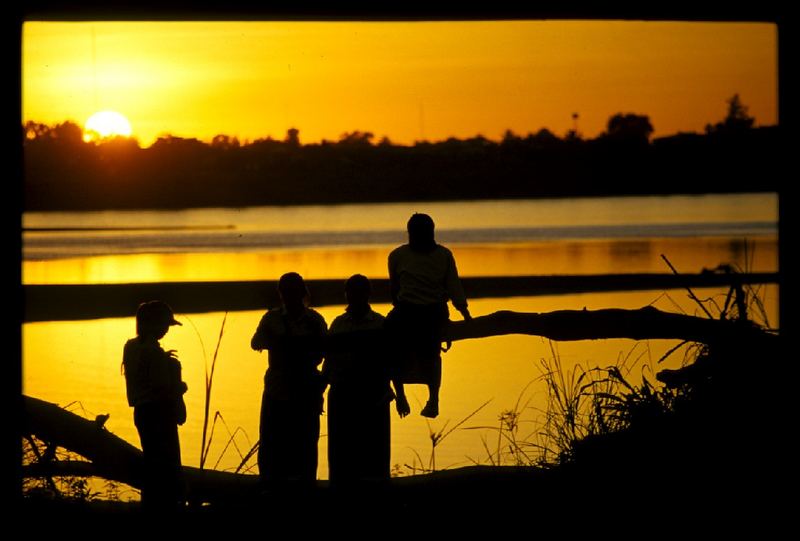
(292, 290)
(420, 232)
(357, 290)
(154, 318)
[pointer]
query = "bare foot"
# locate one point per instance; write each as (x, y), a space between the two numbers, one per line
(431, 410)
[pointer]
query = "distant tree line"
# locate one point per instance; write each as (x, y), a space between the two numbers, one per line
(64, 172)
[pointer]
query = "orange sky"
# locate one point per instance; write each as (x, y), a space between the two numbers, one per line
(405, 80)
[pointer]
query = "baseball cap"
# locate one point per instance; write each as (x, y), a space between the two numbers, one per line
(156, 312)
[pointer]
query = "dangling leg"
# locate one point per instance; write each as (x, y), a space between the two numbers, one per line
(431, 409)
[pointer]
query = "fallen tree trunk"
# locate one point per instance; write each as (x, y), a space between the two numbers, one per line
(569, 325)
(112, 457)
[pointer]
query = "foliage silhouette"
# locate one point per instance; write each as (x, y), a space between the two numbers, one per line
(62, 172)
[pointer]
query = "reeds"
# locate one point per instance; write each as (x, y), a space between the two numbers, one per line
(209, 380)
(584, 403)
(511, 447)
(436, 438)
(207, 437)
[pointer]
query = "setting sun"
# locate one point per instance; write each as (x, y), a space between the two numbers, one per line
(106, 124)
(408, 81)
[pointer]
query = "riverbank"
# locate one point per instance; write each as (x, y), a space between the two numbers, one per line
(473, 501)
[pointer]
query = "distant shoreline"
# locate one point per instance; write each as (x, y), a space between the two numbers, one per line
(366, 199)
(126, 229)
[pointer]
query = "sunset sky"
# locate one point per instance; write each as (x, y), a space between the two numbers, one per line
(405, 80)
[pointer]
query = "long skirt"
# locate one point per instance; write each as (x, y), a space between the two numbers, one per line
(415, 334)
(289, 433)
(358, 435)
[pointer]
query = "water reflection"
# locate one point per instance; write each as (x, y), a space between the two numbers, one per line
(631, 252)
(78, 363)
(689, 255)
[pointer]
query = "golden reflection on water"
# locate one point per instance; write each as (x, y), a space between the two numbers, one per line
(689, 255)
(78, 363)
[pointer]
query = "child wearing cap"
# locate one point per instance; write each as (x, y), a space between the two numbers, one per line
(423, 278)
(155, 392)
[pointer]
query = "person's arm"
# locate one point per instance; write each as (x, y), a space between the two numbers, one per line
(267, 335)
(455, 290)
(161, 373)
(401, 402)
(134, 375)
(394, 285)
(179, 385)
(318, 340)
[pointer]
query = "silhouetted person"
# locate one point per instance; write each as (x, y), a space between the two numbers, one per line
(292, 401)
(155, 391)
(358, 371)
(423, 278)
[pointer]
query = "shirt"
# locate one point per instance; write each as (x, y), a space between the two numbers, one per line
(357, 363)
(425, 277)
(150, 374)
(295, 350)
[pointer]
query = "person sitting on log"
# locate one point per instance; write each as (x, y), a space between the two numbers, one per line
(423, 277)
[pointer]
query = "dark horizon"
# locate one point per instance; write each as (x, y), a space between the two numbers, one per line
(64, 172)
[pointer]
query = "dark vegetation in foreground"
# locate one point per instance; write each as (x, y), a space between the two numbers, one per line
(62, 172)
(700, 446)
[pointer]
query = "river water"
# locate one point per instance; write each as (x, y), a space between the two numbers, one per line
(77, 363)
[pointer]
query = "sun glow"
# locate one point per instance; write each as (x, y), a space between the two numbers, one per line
(105, 124)
(409, 81)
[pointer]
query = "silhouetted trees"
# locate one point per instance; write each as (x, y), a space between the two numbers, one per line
(736, 121)
(62, 171)
(630, 128)
(357, 138)
(293, 137)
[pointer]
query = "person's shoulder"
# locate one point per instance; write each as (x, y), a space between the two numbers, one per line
(138, 347)
(139, 343)
(443, 249)
(340, 322)
(372, 315)
(443, 252)
(400, 250)
(315, 316)
(131, 347)
(273, 314)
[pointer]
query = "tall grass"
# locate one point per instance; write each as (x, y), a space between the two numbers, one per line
(579, 403)
(209, 381)
(511, 447)
(585, 402)
(436, 437)
(245, 464)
